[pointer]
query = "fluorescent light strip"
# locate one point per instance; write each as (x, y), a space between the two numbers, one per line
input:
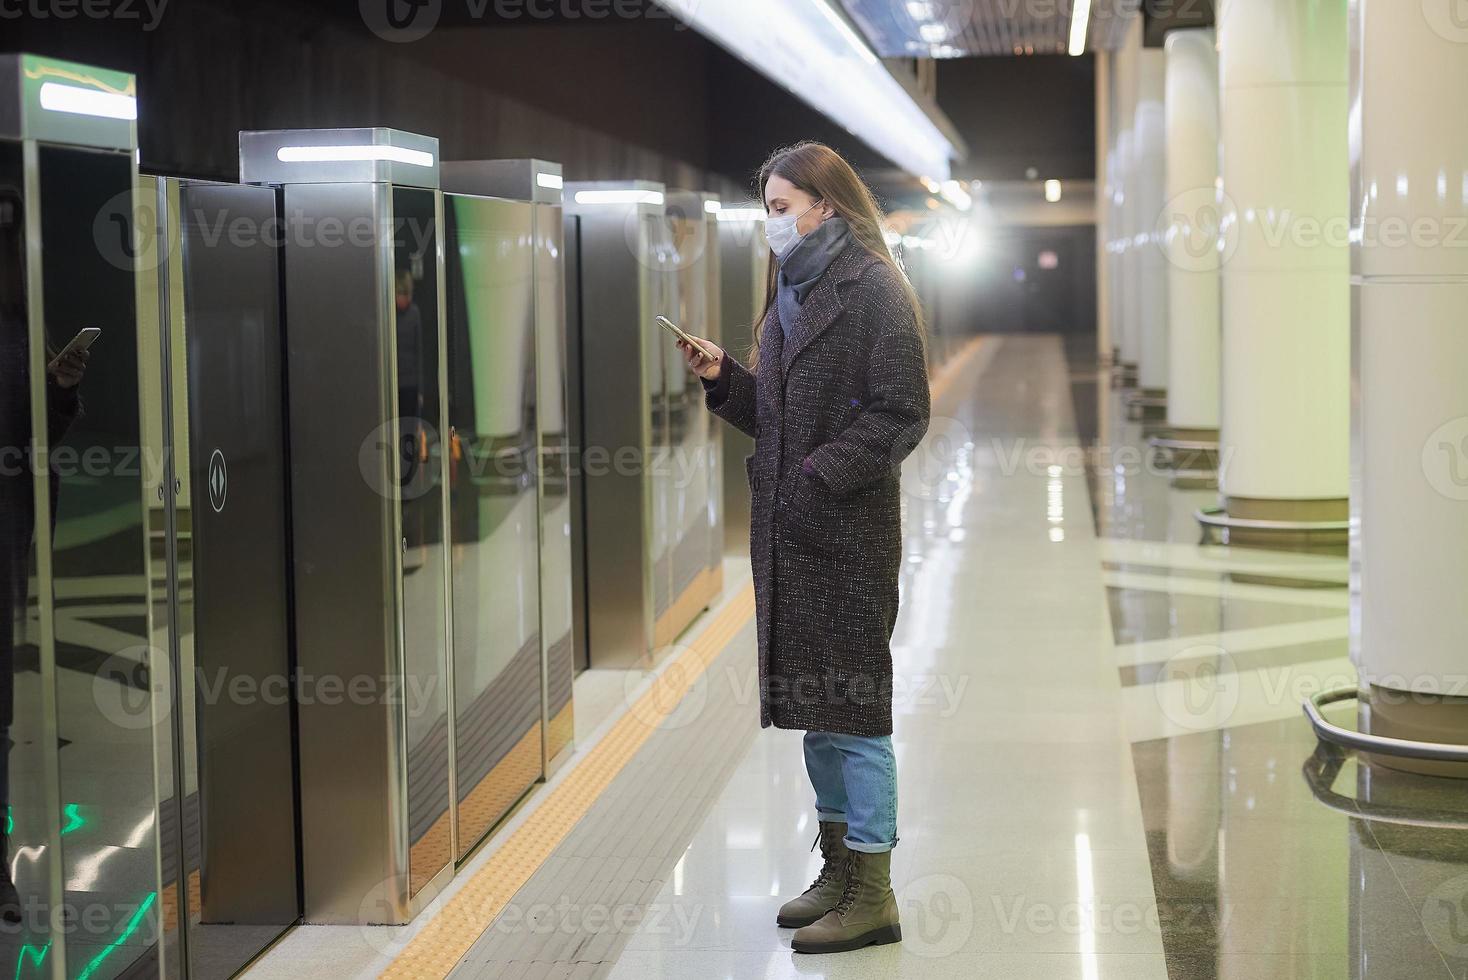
(619, 197)
(741, 214)
(712, 207)
(852, 38)
(1080, 20)
(807, 48)
(354, 154)
(552, 182)
(955, 195)
(87, 101)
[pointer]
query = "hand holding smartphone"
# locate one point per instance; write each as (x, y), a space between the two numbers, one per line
(66, 369)
(684, 336)
(704, 359)
(83, 340)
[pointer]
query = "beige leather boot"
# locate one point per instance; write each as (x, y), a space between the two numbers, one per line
(823, 894)
(866, 915)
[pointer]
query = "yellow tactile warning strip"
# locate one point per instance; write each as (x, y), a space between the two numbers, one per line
(497, 792)
(168, 901)
(485, 804)
(437, 949)
(685, 609)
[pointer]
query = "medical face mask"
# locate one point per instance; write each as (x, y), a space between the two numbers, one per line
(780, 230)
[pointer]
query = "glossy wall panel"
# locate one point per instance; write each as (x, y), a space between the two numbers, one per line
(495, 527)
(421, 516)
(648, 445)
(99, 564)
(229, 805)
(346, 544)
(617, 282)
(30, 806)
(553, 421)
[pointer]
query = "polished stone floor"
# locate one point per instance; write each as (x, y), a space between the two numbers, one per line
(1103, 767)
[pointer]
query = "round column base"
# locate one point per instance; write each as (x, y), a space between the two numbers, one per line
(1311, 526)
(1417, 733)
(1192, 455)
(1146, 405)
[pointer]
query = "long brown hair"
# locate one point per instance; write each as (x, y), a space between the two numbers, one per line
(824, 174)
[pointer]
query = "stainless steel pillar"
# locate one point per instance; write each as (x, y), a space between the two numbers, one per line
(624, 278)
(507, 401)
(77, 710)
(362, 220)
(213, 395)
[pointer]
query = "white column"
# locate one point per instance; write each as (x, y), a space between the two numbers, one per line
(1150, 147)
(1284, 439)
(1104, 141)
(1128, 269)
(1409, 189)
(1190, 233)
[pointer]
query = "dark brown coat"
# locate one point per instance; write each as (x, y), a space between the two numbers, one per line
(849, 389)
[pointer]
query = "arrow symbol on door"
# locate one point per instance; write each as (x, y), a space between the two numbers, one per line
(218, 481)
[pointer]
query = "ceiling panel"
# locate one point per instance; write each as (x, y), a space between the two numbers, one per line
(964, 28)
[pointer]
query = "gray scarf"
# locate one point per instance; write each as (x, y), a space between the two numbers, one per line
(802, 267)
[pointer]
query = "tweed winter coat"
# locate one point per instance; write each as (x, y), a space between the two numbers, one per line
(848, 390)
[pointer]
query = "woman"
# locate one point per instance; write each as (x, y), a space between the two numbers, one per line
(835, 396)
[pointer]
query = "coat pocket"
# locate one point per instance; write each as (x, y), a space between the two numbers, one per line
(804, 512)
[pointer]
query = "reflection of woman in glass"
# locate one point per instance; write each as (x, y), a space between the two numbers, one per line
(17, 501)
(410, 406)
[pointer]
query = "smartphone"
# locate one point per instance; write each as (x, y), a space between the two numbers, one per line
(84, 339)
(678, 332)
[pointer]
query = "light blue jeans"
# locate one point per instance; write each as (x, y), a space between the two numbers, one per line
(855, 779)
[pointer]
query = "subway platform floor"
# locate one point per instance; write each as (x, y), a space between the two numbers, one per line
(1103, 768)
